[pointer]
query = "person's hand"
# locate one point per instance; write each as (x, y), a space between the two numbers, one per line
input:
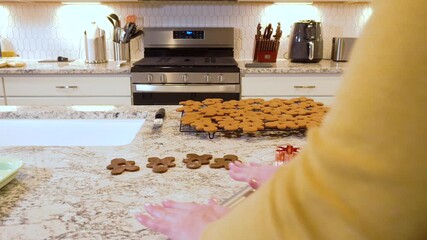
(179, 220)
(254, 174)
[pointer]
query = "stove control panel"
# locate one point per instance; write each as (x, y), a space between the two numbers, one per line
(188, 34)
(186, 78)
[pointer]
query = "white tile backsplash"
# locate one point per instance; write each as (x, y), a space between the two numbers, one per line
(48, 30)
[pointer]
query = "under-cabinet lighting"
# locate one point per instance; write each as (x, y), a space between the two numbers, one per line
(81, 3)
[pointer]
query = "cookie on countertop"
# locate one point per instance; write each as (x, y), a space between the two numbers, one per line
(120, 165)
(160, 165)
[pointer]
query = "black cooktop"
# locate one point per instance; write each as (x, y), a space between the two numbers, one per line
(186, 61)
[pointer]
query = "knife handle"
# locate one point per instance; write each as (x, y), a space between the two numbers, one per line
(160, 113)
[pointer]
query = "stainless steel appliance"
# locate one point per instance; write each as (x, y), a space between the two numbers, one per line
(186, 63)
(306, 42)
(341, 48)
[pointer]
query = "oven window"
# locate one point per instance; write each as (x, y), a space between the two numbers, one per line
(174, 98)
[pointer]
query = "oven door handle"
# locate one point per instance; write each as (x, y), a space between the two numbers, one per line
(226, 88)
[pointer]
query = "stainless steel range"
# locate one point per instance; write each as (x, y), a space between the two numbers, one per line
(186, 63)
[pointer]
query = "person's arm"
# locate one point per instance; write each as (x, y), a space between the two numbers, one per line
(362, 175)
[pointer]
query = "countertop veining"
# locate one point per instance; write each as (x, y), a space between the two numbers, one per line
(67, 192)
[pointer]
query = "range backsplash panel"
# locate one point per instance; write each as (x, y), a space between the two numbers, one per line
(47, 30)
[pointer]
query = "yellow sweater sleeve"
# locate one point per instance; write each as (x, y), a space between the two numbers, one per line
(363, 174)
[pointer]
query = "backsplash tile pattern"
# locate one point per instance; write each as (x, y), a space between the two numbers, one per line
(48, 30)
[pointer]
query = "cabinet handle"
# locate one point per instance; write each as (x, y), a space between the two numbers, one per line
(304, 86)
(67, 87)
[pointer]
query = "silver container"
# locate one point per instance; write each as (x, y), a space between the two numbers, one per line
(341, 48)
(121, 51)
(96, 50)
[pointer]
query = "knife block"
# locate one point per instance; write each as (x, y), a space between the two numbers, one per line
(265, 50)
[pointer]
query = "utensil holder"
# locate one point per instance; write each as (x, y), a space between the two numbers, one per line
(121, 51)
(265, 50)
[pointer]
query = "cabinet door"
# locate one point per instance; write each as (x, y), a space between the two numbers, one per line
(1, 88)
(311, 85)
(60, 86)
(28, 101)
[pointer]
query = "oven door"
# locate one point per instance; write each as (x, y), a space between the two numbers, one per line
(165, 94)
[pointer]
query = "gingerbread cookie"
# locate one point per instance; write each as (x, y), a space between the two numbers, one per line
(229, 125)
(212, 101)
(119, 165)
(160, 165)
(194, 161)
(224, 161)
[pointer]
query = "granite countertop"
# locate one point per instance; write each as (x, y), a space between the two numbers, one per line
(75, 67)
(80, 67)
(67, 193)
(287, 67)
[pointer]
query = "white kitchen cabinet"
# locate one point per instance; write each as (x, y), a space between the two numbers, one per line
(321, 87)
(2, 98)
(67, 90)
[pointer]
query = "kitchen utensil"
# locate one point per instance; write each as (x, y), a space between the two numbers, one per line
(128, 32)
(238, 197)
(306, 42)
(270, 32)
(258, 65)
(258, 31)
(116, 19)
(267, 31)
(341, 48)
(278, 34)
(137, 33)
(112, 21)
(59, 59)
(158, 118)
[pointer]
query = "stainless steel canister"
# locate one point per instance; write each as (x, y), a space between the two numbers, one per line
(121, 51)
(341, 48)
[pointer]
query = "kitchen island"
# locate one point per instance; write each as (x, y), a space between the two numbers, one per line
(67, 192)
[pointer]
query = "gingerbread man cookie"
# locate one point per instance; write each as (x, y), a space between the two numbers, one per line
(224, 161)
(160, 165)
(119, 165)
(194, 161)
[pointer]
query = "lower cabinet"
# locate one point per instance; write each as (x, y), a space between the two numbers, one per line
(68, 90)
(19, 101)
(2, 98)
(320, 87)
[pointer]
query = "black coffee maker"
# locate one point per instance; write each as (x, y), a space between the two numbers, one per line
(306, 42)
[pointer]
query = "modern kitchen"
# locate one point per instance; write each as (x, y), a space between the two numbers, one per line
(104, 104)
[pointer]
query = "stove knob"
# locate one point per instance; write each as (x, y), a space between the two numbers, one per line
(207, 78)
(163, 78)
(221, 78)
(184, 78)
(149, 78)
